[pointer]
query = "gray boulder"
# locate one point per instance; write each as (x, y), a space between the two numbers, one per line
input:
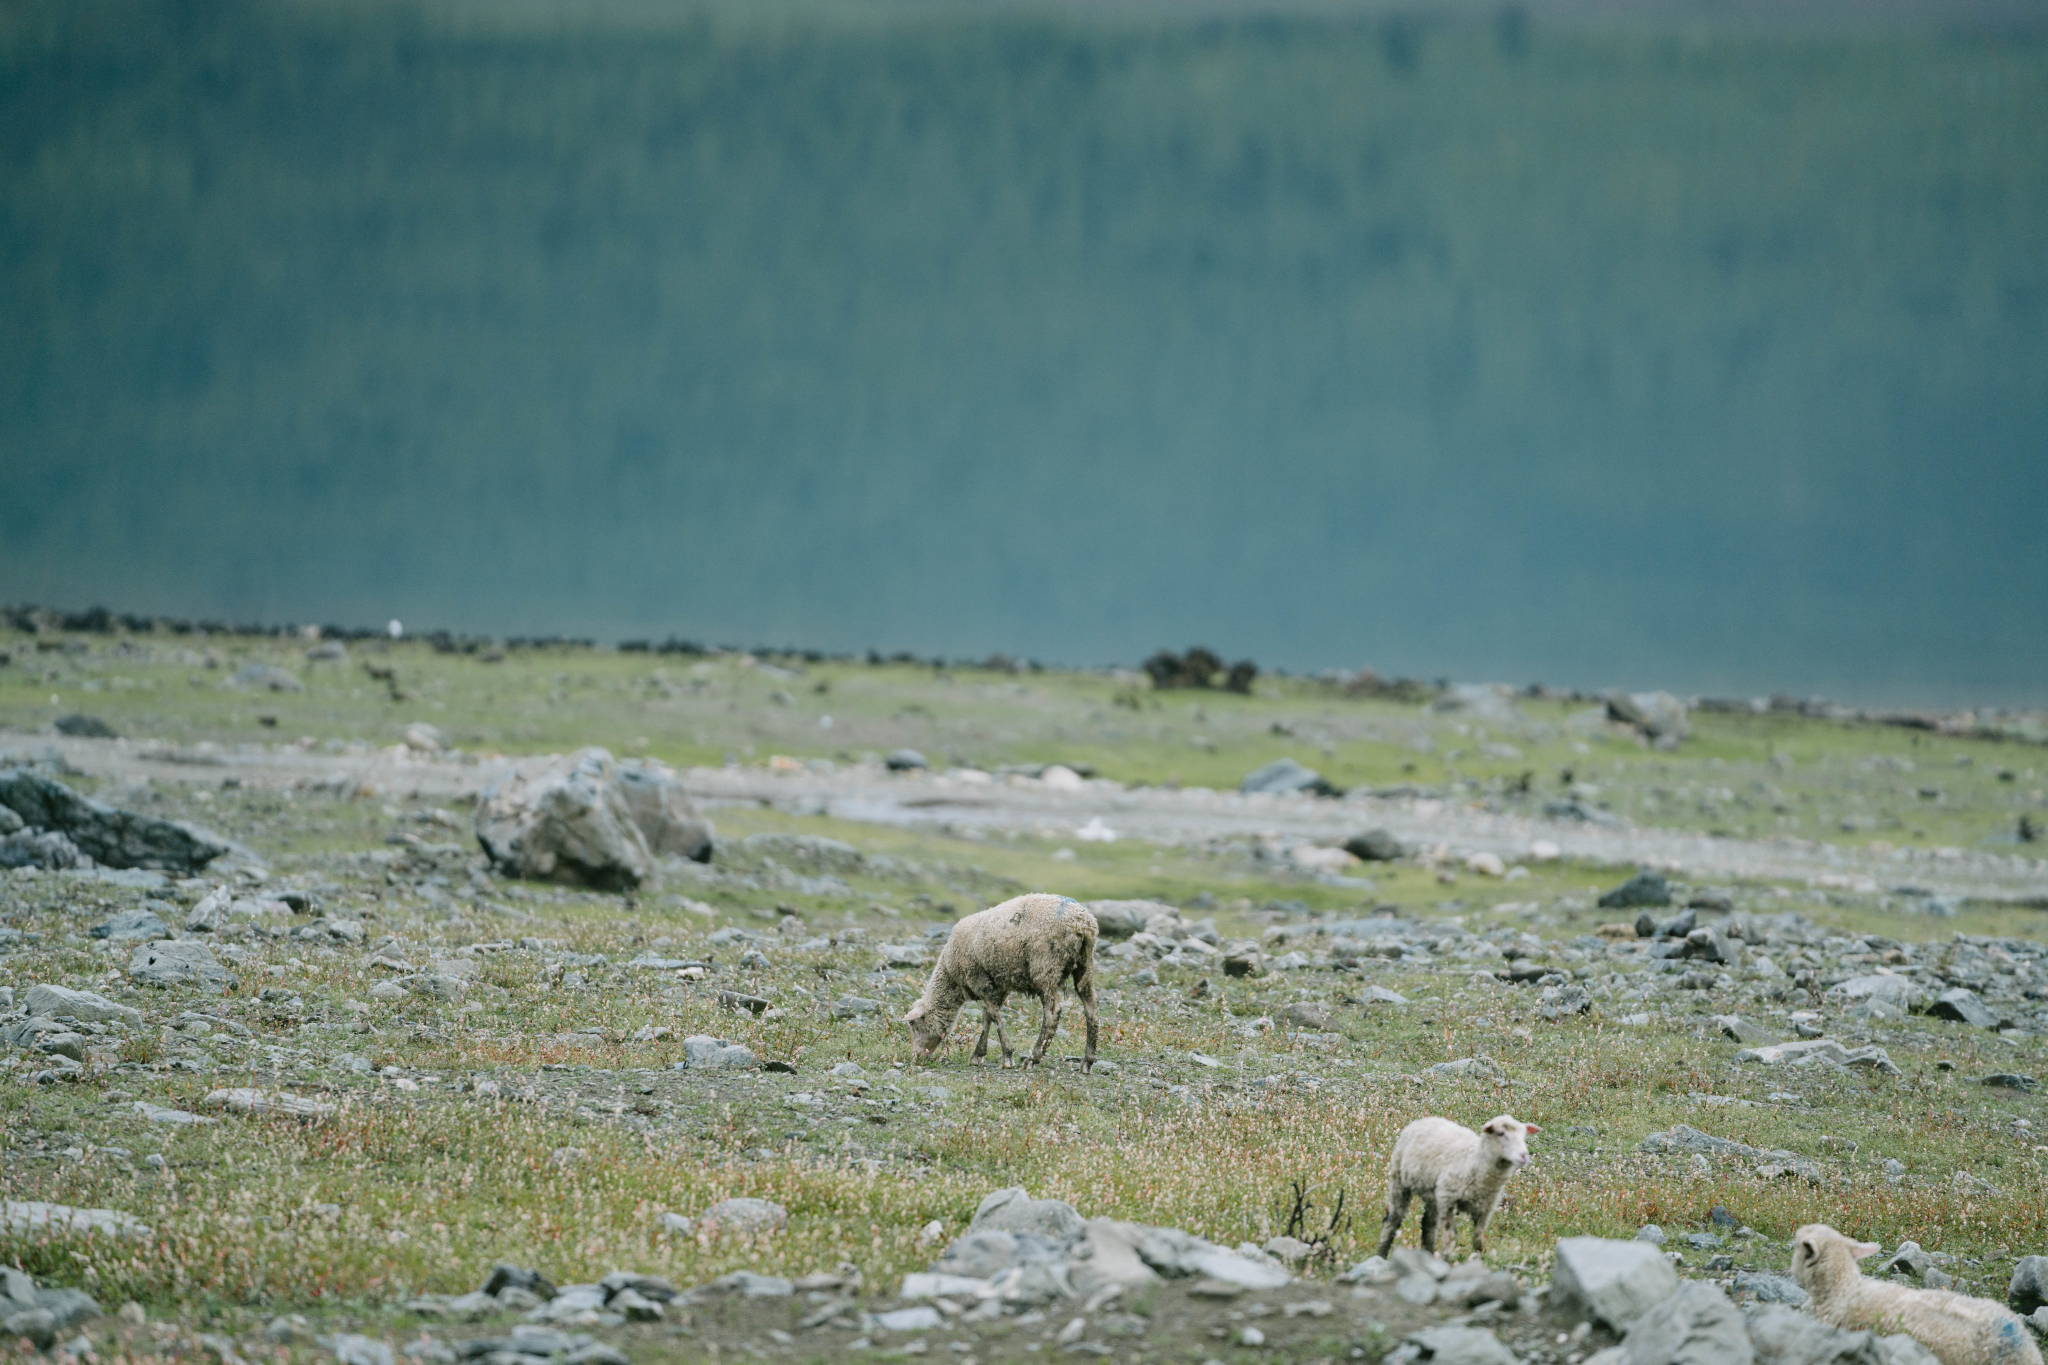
(2029, 1287)
(564, 819)
(1014, 1210)
(1115, 920)
(1766, 1286)
(1697, 1325)
(116, 838)
(55, 1001)
(1963, 1006)
(1609, 1282)
(1283, 777)
(1660, 716)
(750, 1216)
(1894, 993)
(132, 926)
(905, 761)
(1783, 1336)
(1450, 1345)
(703, 1053)
(183, 963)
(1375, 846)
(265, 678)
(979, 1254)
(663, 814)
(1645, 888)
(42, 848)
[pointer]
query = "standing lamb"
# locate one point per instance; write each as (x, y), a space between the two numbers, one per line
(1959, 1329)
(1455, 1170)
(1032, 943)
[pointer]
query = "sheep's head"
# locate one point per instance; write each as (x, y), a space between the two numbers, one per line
(1821, 1256)
(1509, 1137)
(928, 1029)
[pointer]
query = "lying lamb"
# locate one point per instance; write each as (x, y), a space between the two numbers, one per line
(1960, 1330)
(1032, 943)
(1455, 1170)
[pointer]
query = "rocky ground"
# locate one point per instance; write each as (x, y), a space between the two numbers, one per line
(320, 1084)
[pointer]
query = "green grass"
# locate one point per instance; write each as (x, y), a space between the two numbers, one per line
(432, 1186)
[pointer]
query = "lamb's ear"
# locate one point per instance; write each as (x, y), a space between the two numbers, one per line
(1861, 1249)
(1531, 1128)
(1806, 1247)
(916, 1013)
(1494, 1127)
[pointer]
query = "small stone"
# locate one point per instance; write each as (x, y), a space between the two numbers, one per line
(2028, 1289)
(1375, 846)
(351, 1349)
(132, 926)
(853, 1006)
(1651, 1233)
(2007, 1080)
(1963, 1006)
(905, 761)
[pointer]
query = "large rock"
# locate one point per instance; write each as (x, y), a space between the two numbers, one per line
(32, 1217)
(1819, 1052)
(564, 819)
(2029, 1287)
(1120, 919)
(1895, 993)
(747, 1216)
(57, 1001)
(1014, 1210)
(1694, 1326)
(1963, 1006)
(1658, 715)
(1454, 1345)
(43, 848)
(1175, 1254)
(1645, 888)
(1283, 777)
(116, 838)
(130, 926)
(1784, 1336)
(1375, 846)
(981, 1254)
(663, 814)
(183, 963)
(1608, 1281)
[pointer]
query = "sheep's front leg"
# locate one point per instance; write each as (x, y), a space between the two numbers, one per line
(1397, 1210)
(1049, 1011)
(1479, 1217)
(981, 1044)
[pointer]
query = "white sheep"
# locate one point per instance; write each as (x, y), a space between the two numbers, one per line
(1958, 1329)
(1455, 1170)
(1032, 943)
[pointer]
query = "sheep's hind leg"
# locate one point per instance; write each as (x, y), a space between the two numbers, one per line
(1429, 1222)
(1049, 1010)
(1397, 1209)
(1479, 1217)
(1087, 993)
(981, 1044)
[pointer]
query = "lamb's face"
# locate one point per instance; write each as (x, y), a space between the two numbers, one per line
(1820, 1255)
(1507, 1138)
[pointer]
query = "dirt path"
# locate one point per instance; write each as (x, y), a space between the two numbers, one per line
(920, 799)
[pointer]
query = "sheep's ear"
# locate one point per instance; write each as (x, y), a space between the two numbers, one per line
(1806, 1248)
(916, 1013)
(1861, 1249)
(1493, 1126)
(1531, 1128)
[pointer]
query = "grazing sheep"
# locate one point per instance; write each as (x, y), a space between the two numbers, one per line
(1957, 1328)
(1455, 1170)
(1031, 943)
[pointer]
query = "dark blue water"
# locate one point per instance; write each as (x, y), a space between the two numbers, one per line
(1476, 342)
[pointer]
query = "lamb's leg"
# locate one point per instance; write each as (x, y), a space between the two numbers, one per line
(1479, 1217)
(1049, 1011)
(1397, 1209)
(1447, 1224)
(981, 1043)
(1429, 1218)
